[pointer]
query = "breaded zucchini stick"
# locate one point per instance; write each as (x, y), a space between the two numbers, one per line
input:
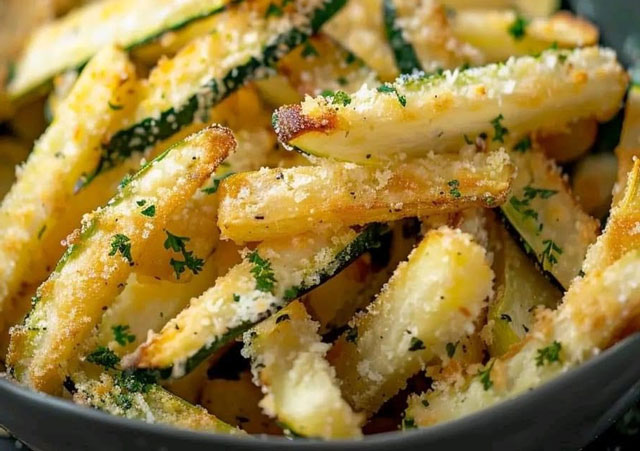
(274, 203)
(421, 113)
(301, 389)
(101, 256)
(433, 299)
(596, 312)
(629, 147)
(268, 278)
(68, 150)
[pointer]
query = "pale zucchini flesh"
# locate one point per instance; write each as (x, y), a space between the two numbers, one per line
(301, 389)
(437, 113)
(69, 149)
(248, 40)
(536, 8)
(431, 300)
(548, 221)
(498, 35)
(100, 257)
(274, 203)
(595, 313)
(271, 276)
(69, 42)
(519, 289)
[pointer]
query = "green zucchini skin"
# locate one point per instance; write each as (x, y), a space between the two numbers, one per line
(146, 133)
(371, 237)
(403, 52)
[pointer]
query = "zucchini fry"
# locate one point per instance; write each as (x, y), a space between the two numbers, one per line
(101, 256)
(69, 42)
(596, 312)
(420, 113)
(569, 144)
(126, 395)
(359, 27)
(431, 300)
(249, 38)
(287, 359)
(621, 233)
(519, 289)
(274, 203)
(629, 147)
(549, 222)
(69, 149)
(421, 38)
(592, 182)
(274, 274)
(498, 35)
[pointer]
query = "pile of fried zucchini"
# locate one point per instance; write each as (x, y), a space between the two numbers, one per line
(312, 218)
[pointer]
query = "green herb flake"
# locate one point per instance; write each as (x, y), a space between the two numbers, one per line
(425, 403)
(550, 253)
(41, 231)
(451, 348)
(35, 299)
(485, 377)
(121, 244)
(191, 262)
(309, 50)
(454, 185)
(523, 145)
(104, 357)
(518, 28)
(262, 272)
(216, 179)
(141, 202)
(416, 344)
(121, 335)
(549, 354)
(408, 423)
(390, 89)
(341, 98)
(150, 211)
(498, 129)
(114, 106)
(236, 297)
(273, 10)
(125, 181)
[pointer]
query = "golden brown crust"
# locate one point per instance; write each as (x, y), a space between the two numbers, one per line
(291, 122)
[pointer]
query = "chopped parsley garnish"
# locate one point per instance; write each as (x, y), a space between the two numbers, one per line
(135, 381)
(309, 50)
(498, 129)
(273, 10)
(150, 211)
(390, 89)
(350, 58)
(236, 297)
(121, 334)
(282, 318)
(523, 145)
(408, 423)
(262, 272)
(454, 185)
(518, 28)
(341, 98)
(550, 247)
(485, 376)
(35, 299)
(531, 193)
(451, 348)
(114, 106)
(523, 206)
(352, 335)
(177, 244)
(121, 244)
(216, 183)
(125, 181)
(104, 357)
(41, 231)
(416, 344)
(549, 354)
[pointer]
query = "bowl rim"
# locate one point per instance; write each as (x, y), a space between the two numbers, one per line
(263, 441)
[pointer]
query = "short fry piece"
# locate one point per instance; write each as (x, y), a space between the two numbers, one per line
(499, 35)
(596, 312)
(629, 146)
(420, 113)
(287, 357)
(69, 149)
(431, 300)
(275, 203)
(268, 278)
(101, 256)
